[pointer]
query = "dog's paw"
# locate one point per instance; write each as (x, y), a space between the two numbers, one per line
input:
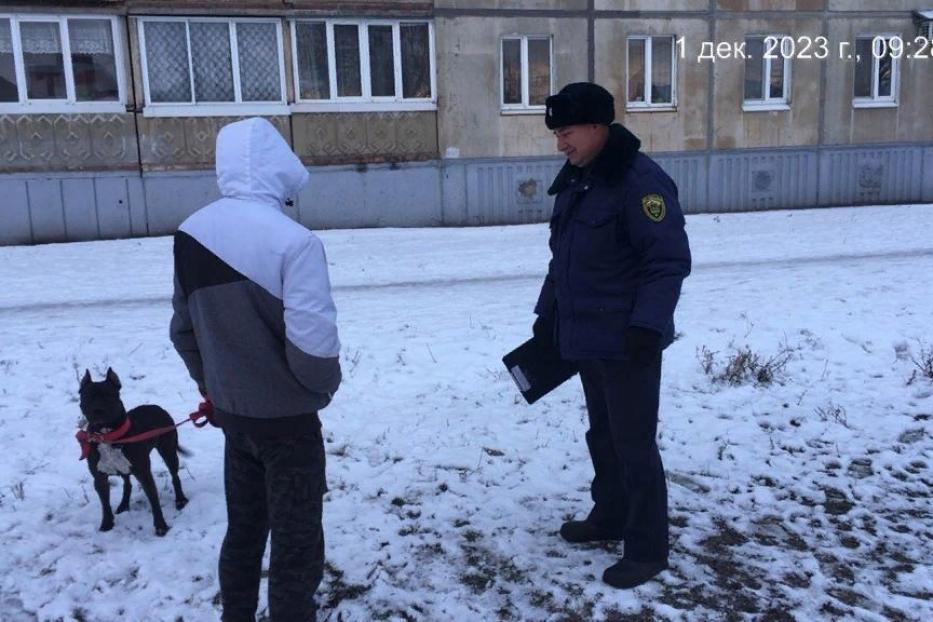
(161, 530)
(106, 525)
(123, 507)
(180, 503)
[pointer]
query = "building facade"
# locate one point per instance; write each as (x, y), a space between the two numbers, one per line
(415, 113)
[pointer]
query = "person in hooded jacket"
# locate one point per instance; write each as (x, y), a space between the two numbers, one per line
(255, 324)
(619, 256)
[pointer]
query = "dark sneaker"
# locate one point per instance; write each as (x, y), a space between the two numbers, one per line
(579, 531)
(627, 574)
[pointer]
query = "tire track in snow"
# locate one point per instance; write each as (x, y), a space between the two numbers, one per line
(700, 267)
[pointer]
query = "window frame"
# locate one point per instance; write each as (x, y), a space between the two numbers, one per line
(648, 105)
(209, 109)
(524, 107)
(769, 103)
(69, 105)
(365, 102)
(874, 100)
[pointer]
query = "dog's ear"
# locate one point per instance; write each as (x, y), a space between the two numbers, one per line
(113, 378)
(86, 379)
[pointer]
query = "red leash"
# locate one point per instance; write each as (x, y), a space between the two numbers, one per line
(200, 418)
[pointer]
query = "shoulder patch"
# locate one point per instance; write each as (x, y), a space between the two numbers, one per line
(654, 207)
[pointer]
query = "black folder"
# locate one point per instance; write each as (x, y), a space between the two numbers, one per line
(537, 368)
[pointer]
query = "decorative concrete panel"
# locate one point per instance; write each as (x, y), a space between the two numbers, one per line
(180, 143)
(365, 137)
(67, 142)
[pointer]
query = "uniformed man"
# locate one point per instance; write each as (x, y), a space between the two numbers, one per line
(619, 256)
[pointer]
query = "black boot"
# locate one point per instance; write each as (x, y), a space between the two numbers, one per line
(579, 531)
(628, 574)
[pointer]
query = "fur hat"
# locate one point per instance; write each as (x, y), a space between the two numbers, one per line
(579, 103)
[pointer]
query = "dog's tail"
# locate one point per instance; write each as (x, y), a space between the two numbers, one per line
(184, 452)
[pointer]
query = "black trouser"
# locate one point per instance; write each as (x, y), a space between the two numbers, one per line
(273, 484)
(629, 491)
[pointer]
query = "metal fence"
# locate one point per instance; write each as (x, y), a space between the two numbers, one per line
(61, 207)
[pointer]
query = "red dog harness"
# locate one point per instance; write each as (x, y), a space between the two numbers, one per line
(205, 411)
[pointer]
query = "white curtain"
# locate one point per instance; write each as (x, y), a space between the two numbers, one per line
(416, 61)
(90, 36)
(40, 37)
(6, 37)
(314, 78)
(347, 58)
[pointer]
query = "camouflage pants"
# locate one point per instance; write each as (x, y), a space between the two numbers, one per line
(277, 485)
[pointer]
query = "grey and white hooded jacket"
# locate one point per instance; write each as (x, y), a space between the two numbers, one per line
(253, 319)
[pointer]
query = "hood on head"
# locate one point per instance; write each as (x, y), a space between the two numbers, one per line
(254, 162)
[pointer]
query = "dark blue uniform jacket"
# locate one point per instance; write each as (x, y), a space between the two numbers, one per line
(619, 251)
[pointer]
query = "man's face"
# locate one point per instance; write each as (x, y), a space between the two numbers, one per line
(581, 143)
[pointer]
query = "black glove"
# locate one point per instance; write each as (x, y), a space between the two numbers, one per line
(642, 345)
(543, 328)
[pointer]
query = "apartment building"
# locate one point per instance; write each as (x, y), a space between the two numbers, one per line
(417, 113)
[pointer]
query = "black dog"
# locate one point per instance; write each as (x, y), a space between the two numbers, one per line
(106, 416)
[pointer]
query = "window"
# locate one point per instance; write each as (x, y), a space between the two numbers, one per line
(58, 64)
(364, 65)
(924, 21)
(876, 70)
(651, 73)
(526, 72)
(9, 91)
(212, 66)
(767, 74)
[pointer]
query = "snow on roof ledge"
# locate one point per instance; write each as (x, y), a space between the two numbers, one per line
(925, 15)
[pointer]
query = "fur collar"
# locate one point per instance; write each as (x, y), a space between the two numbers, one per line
(611, 163)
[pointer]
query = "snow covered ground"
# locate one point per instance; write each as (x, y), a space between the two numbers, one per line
(808, 498)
